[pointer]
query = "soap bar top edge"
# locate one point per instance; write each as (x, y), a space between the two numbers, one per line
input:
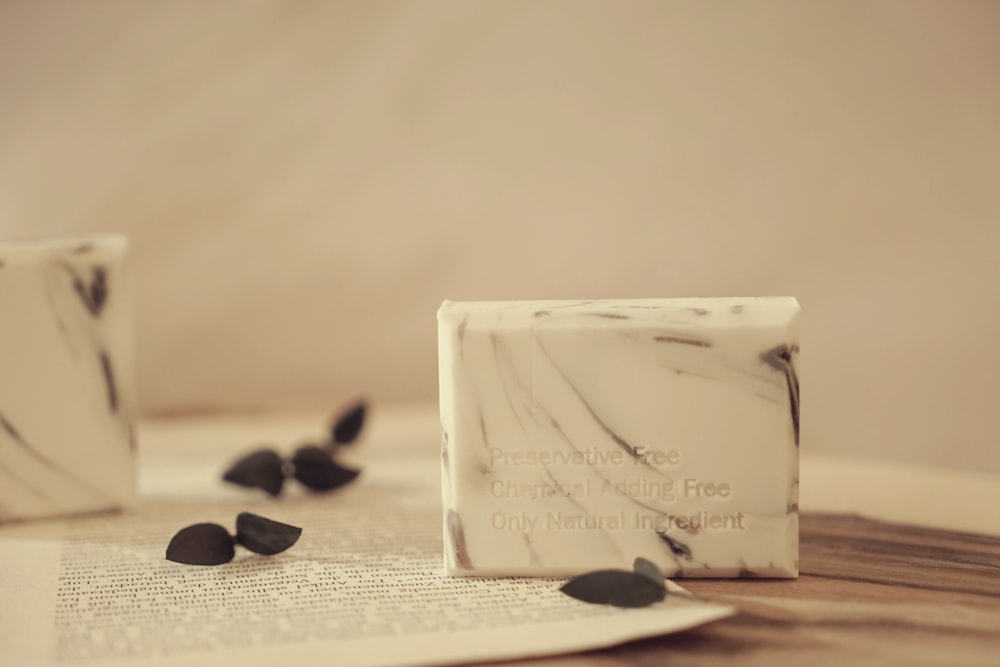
(705, 311)
(100, 247)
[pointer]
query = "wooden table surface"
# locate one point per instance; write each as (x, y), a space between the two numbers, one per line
(884, 580)
(870, 593)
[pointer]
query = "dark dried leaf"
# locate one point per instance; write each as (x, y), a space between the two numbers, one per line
(261, 469)
(265, 536)
(201, 544)
(315, 469)
(648, 569)
(615, 587)
(348, 425)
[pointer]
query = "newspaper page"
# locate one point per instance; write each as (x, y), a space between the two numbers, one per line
(364, 585)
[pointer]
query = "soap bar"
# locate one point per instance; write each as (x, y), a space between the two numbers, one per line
(67, 400)
(579, 435)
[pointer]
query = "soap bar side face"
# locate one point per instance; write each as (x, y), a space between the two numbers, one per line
(67, 396)
(581, 435)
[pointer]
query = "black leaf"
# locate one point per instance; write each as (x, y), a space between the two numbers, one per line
(201, 544)
(348, 425)
(261, 469)
(265, 536)
(315, 469)
(648, 569)
(615, 587)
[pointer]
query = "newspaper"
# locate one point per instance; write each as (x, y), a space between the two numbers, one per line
(364, 585)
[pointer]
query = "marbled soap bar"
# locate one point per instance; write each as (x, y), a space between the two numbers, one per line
(580, 435)
(67, 401)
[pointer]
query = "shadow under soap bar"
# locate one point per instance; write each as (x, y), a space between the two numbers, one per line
(579, 435)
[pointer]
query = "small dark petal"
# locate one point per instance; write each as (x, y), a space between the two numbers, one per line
(615, 587)
(648, 569)
(315, 469)
(348, 425)
(201, 544)
(265, 536)
(261, 469)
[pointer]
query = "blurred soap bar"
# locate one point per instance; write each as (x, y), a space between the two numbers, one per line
(579, 435)
(67, 401)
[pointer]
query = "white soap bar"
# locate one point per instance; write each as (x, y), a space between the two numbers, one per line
(67, 403)
(580, 435)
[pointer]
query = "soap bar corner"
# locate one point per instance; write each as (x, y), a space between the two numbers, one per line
(66, 353)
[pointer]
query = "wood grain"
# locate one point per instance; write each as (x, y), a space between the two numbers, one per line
(870, 593)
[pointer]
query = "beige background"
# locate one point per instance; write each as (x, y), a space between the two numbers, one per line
(304, 182)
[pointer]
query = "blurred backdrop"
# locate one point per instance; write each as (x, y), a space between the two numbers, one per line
(304, 182)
